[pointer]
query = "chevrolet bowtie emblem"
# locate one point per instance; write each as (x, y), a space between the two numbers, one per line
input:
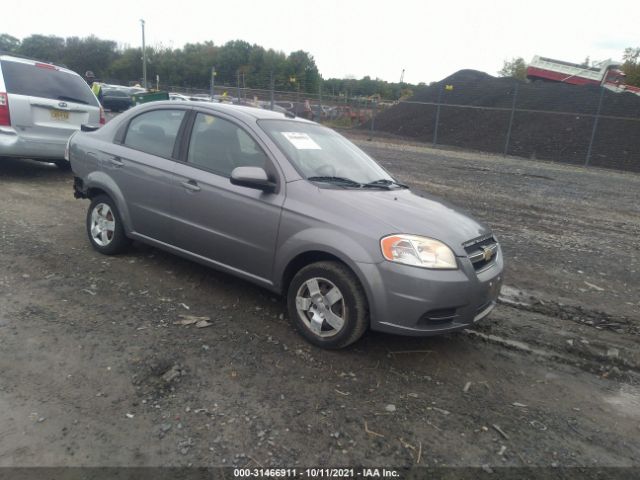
(487, 253)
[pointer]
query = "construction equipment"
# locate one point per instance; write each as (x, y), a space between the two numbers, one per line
(606, 73)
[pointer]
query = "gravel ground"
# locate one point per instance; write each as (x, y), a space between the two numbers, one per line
(95, 371)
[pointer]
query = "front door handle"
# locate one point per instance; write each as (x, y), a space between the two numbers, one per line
(191, 185)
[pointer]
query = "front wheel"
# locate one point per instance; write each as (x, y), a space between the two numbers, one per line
(327, 305)
(104, 226)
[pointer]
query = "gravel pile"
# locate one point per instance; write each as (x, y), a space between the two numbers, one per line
(544, 133)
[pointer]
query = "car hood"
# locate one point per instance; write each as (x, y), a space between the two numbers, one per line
(384, 212)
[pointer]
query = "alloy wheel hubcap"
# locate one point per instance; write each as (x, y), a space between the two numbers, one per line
(320, 306)
(103, 224)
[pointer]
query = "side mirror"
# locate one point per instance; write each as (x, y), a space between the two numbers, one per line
(252, 177)
(85, 127)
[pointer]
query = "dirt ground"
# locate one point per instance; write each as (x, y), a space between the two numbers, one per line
(94, 370)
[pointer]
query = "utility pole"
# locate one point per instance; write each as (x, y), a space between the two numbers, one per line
(213, 81)
(144, 58)
(293, 80)
(238, 84)
(272, 87)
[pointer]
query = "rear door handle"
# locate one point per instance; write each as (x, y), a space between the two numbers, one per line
(116, 162)
(191, 185)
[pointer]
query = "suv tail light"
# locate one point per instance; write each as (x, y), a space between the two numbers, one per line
(103, 120)
(5, 117)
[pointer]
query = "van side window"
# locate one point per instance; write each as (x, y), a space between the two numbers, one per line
(220, 146)
(155, 132)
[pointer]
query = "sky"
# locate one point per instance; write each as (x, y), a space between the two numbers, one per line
(353, 38)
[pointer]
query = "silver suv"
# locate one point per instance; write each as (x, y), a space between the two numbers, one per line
(41, 105)
(292, 206)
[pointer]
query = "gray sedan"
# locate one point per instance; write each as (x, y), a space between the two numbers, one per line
(293, 207)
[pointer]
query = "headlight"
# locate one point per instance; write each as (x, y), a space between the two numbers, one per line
(418, 251)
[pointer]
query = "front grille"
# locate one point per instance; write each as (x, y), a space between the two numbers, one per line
(482, 251)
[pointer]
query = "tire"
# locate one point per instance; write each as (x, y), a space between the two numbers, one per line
(104, 226)
(328, 320)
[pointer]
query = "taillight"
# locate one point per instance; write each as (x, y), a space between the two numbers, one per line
(103, 120)
(46, 65)
(5, 117)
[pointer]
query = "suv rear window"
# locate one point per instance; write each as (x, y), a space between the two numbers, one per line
(45, 82)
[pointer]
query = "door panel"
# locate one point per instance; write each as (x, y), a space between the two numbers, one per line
(233, 226)
(143, 169)
(148, 185)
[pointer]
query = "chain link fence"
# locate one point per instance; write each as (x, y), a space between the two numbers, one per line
(581, 125)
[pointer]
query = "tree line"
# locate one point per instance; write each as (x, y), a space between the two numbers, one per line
(236, 63)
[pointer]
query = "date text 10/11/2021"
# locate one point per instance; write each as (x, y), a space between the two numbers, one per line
(315, 473)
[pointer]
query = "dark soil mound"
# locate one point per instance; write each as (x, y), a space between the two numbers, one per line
(552, 121)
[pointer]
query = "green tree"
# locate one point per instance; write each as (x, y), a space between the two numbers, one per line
(90, 53)
(631, 66)
(302, 67)
(126, 67)
(9, 43)
(47, 48)
(190, 66)
(516, 68)
(233, 58)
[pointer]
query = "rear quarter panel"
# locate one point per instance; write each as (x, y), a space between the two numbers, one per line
(84, 155)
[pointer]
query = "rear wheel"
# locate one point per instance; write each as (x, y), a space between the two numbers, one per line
(104, 226)
(327, 304)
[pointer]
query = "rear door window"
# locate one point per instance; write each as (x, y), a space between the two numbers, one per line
(155, 132)
(45, 81)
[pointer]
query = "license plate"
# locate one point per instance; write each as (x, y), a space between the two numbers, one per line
(59, 115)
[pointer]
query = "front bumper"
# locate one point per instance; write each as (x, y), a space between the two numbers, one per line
(419, 302)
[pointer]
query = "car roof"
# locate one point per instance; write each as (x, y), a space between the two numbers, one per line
(240, 111)
(32, 61)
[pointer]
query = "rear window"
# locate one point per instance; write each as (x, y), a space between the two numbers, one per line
(28, 79)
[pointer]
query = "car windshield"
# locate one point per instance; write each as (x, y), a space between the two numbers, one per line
(322, 155)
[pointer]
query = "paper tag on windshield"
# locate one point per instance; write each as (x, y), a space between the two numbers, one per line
(301, 141)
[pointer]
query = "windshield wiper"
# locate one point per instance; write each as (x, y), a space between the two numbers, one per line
(385, 183)
(71, 99)
(337, 181)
